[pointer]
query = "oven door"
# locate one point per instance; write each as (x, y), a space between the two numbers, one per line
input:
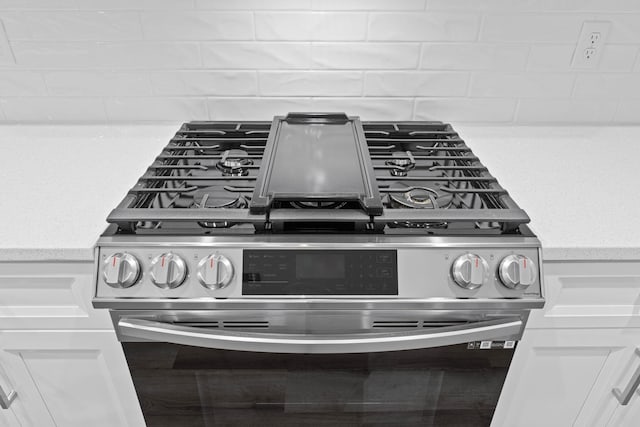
(209, 370)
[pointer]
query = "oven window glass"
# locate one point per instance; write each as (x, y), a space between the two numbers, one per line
(191, 386)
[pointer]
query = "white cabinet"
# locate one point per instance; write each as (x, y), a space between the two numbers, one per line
(60, 356)
(577, 349)
(566, 377)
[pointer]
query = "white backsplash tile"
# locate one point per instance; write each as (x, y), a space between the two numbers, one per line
(343, 26)
(627, 111)
(197, 25)
(148, 55)
(263, 55)
(97, 83)
(205, 82)
(22, 83)
(368, 108)
(465, 110)
(593, 111)
(254, 108)
(416, 83)
(310, 83)
(254, 4)
(72, 25)
(608, 86)
(432, 26)
(521, 85)
(474, 56)
(44, 109)
(47, 55)
(365, 55)
(131, 109)
(500, 61)
(531, 28)
(368, 4)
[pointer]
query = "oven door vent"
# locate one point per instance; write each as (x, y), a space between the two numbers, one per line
(396, 323)
(230, 324)
(226, 324)
(416, 323)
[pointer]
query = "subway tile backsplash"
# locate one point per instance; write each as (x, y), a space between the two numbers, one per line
(499, 61)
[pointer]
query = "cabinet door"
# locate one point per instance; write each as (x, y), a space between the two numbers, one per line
(69, 378)
(7, 417)
(627, 416)
(563, 377)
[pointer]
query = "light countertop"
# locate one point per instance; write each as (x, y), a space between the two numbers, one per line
(578, 184)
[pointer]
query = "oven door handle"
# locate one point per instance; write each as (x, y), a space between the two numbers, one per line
(313, 343)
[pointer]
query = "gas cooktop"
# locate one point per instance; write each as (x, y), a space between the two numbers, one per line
(317, 173)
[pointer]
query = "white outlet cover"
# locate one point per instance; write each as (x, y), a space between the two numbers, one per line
(585, 44)
(6, 54)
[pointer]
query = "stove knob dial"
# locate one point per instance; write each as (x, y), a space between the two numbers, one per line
(517, 272)
(215, 271)
(469, 271)
(168, 271)
(121, 270)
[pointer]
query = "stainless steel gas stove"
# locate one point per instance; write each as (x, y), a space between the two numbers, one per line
(319, 233)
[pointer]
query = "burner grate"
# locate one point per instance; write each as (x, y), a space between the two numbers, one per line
(422, 173)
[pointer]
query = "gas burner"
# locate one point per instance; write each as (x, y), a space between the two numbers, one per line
(318, 205)
(401, 163)
(214, 198)
(402, 195)
(234, 163)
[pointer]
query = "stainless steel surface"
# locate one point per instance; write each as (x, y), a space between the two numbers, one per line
(459, 255)
(316, 343)
(424, 268)
(517, 272)
(319, 241)
(215, 271)
(318, 304)
(121, 270)
(167, 270)
(470, 271)
(624, 396)
(6, 399)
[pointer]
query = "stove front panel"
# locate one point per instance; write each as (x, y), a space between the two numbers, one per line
(298, 271)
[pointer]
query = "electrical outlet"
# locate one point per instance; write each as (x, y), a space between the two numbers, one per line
(590, 44)
(589, 53)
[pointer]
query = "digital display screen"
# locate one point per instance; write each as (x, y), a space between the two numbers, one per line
(320, 266)
(319, 272)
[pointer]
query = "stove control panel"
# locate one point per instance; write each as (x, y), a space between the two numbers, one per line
(324, 270)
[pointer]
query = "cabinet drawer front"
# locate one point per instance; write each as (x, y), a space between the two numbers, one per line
(590, 294)
(39, 295)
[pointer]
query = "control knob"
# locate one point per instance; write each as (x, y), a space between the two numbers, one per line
(215, 271)
(469, 271)
(121, 270)
(517, 271)
(168, 271)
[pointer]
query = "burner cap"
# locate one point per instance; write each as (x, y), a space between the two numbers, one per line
(418, 196)
(214, 198)
(317, 205)
(234, 162)
(402, 162)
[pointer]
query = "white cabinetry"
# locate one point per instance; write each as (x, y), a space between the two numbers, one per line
(576, 350)
(60, 356)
